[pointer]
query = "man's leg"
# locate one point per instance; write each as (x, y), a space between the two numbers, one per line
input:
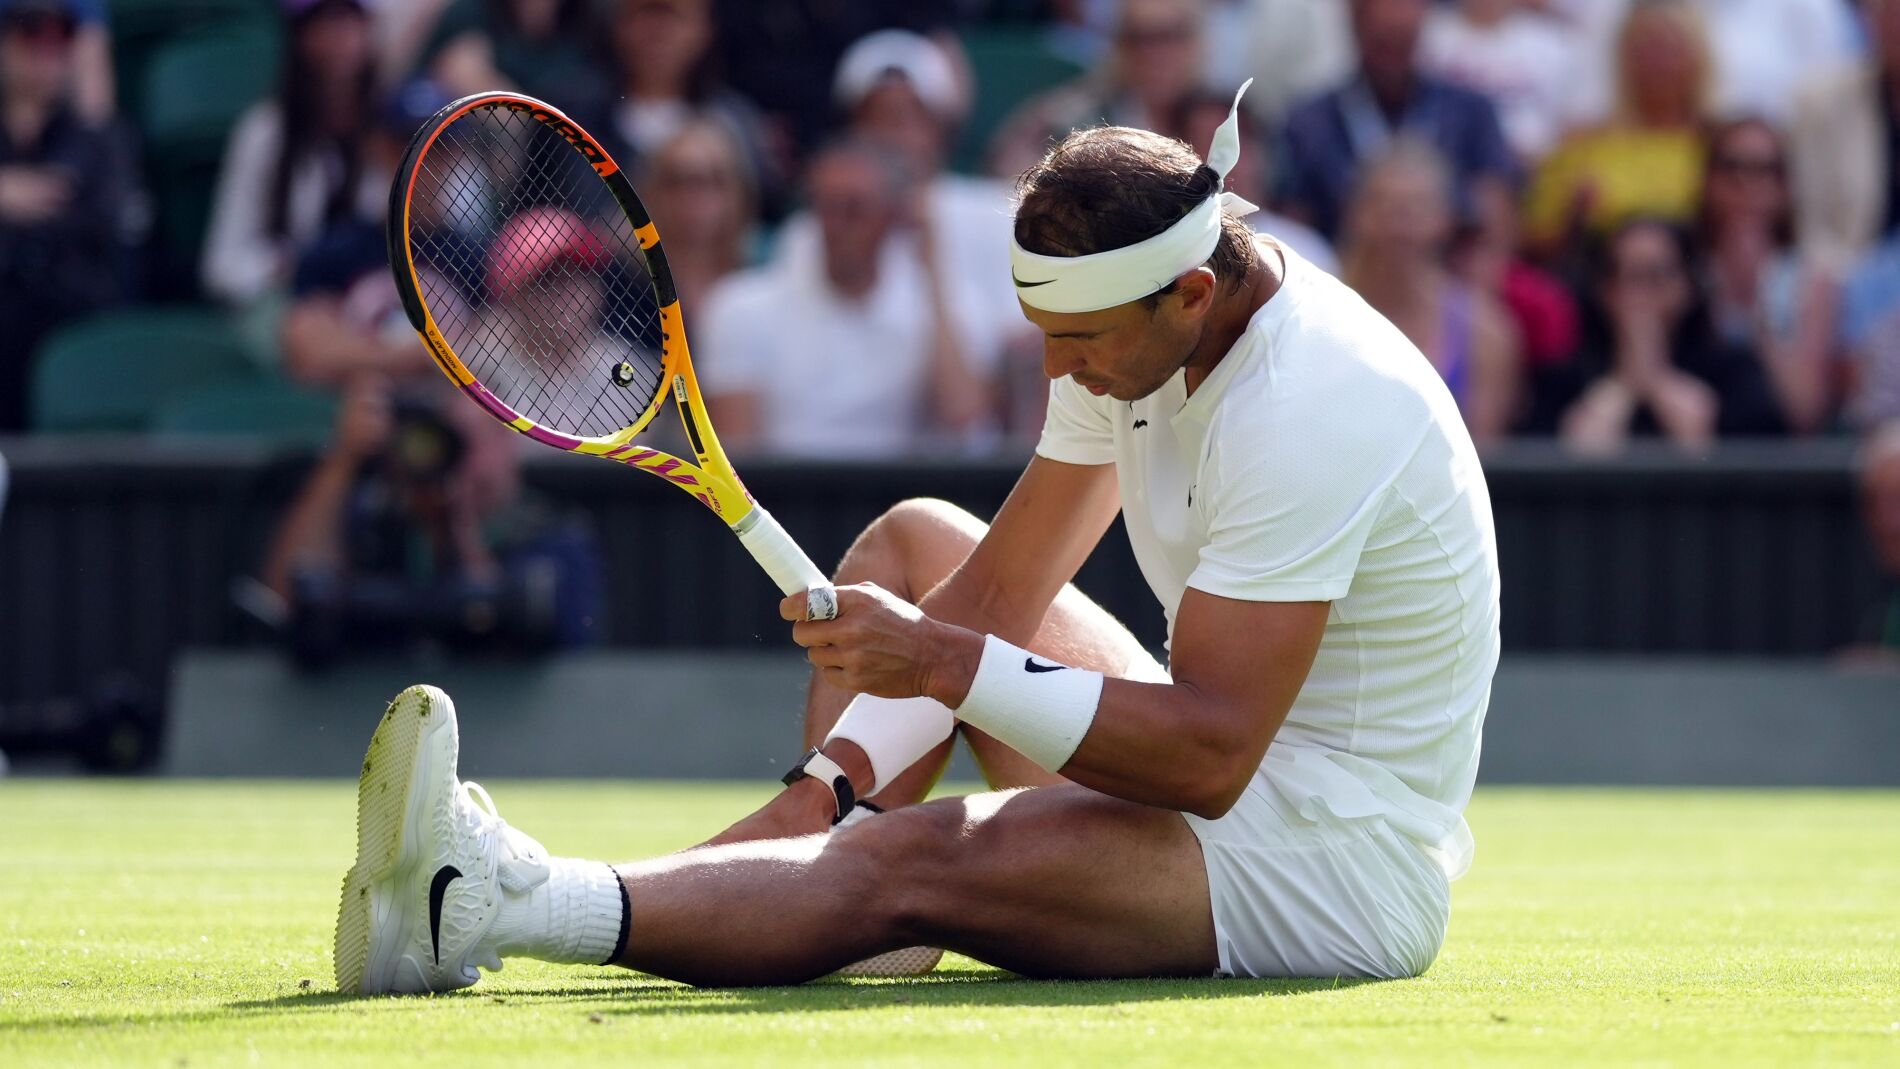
(908, 551)
(1058, 881)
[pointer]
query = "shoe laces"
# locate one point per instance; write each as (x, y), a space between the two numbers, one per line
(519, 859)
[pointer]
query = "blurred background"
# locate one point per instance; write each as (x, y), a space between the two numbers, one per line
(1650, 245)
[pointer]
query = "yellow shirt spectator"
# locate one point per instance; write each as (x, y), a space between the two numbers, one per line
(1599, 178)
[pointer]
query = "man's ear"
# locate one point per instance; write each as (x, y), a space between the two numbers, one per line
(1196, 292)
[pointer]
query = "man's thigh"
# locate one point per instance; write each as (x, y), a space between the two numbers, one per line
(1054, 881)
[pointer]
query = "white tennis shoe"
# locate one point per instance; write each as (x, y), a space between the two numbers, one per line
(432, 860)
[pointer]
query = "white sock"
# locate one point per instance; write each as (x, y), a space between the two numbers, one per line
(574, 917)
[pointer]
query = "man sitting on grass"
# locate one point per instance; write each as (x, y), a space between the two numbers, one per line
(1284, 799)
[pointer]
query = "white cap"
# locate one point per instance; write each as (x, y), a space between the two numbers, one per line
(915, 58)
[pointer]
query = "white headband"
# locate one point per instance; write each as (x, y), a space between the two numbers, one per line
(1106, 279)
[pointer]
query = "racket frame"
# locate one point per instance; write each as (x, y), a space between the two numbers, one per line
(712, 480)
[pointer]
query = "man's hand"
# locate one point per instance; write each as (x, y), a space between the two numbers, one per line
(883, 645)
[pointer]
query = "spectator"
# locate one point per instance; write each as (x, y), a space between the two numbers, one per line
(1880, 504)
(1398, 228)
(857, 354)
(1870, 321)
(782, 55)
(1327, 138)
(544, 48)
(1514, 54)
(296, 163)
(1763, 51)
(899, 90)
(663, 70)
(1762, 294)
(1200, 115)
(67, 195)
(1844, 140)
(1647, 160)
(1292, 49)
(1654, 363)
(414, 526)
(550, 258)
(699, 187)
(345, 318)
(1156, 62)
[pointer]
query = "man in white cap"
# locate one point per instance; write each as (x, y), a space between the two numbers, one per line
(1284, 799)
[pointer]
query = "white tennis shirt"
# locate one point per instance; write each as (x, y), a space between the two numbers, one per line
(1323, 459)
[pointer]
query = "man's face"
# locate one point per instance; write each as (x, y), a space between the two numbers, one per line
(1126, 352)
(855, 208)
(1387, 32)
(36, 52)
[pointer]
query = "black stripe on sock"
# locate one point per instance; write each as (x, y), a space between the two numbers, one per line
(626, 918)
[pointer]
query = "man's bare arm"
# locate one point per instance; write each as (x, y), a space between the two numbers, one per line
(1051, 522)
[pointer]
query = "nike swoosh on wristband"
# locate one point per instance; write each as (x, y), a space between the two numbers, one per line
(438, 887)
(1030, 665)
(1021, 285)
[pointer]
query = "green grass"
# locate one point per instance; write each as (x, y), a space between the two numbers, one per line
(172, 924)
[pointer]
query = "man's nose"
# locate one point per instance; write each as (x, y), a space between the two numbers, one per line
(1055, 365)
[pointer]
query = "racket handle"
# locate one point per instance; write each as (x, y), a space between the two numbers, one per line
(786, 563)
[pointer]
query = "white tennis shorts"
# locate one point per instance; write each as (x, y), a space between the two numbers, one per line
(1295, 898)
(1355, 899)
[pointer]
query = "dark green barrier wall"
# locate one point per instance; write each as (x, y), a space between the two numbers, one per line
(109, 563)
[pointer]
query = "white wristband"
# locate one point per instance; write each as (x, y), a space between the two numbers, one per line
(1039, 709)
(895, 733)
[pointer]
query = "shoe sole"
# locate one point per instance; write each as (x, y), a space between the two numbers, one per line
(911, 961)
(385, 802)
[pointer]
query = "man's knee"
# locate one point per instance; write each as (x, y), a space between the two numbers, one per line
(909, 856)
(920, 538)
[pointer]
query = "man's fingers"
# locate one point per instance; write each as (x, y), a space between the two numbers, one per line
(792, 607)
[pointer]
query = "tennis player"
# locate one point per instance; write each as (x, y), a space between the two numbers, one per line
(1284, 798)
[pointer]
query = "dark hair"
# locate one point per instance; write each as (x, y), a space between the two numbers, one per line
(303, 134)
(1111, 186)
(1712, 137)
(1696, 329)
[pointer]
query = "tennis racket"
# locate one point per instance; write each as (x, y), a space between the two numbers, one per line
(536, 279)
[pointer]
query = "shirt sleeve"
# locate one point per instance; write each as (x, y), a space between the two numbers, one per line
(731, 350)
(1288, 514)
(1075, 430)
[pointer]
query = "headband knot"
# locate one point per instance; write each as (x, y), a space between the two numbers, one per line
(1117, 276)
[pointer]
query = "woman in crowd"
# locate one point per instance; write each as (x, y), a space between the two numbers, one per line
(1654, 362)
(296, 162)
(1397, 231)
(699, 186)
(1762, 293)
(663, 68)
(1647, 159)
(66, 186)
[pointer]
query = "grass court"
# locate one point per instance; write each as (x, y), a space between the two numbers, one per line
(188, 924)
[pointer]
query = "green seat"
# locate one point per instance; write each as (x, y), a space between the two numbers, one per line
(113, 371)
(194, 89)
(196, 86)
(1008, 64)
(257, 405)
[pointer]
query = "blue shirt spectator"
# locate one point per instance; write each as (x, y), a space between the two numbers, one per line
(1328, 137)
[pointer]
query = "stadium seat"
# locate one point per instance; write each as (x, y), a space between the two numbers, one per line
(1009, 64)
(193, 90)
(257, 405)
(113, 371)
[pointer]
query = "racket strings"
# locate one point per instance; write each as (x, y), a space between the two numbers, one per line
(534, 275)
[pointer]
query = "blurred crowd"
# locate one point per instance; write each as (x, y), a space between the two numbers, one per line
(1599, 219)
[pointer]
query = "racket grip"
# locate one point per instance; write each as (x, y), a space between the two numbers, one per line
(786, 563)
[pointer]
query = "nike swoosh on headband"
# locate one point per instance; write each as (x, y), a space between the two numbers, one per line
(1021, 285)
